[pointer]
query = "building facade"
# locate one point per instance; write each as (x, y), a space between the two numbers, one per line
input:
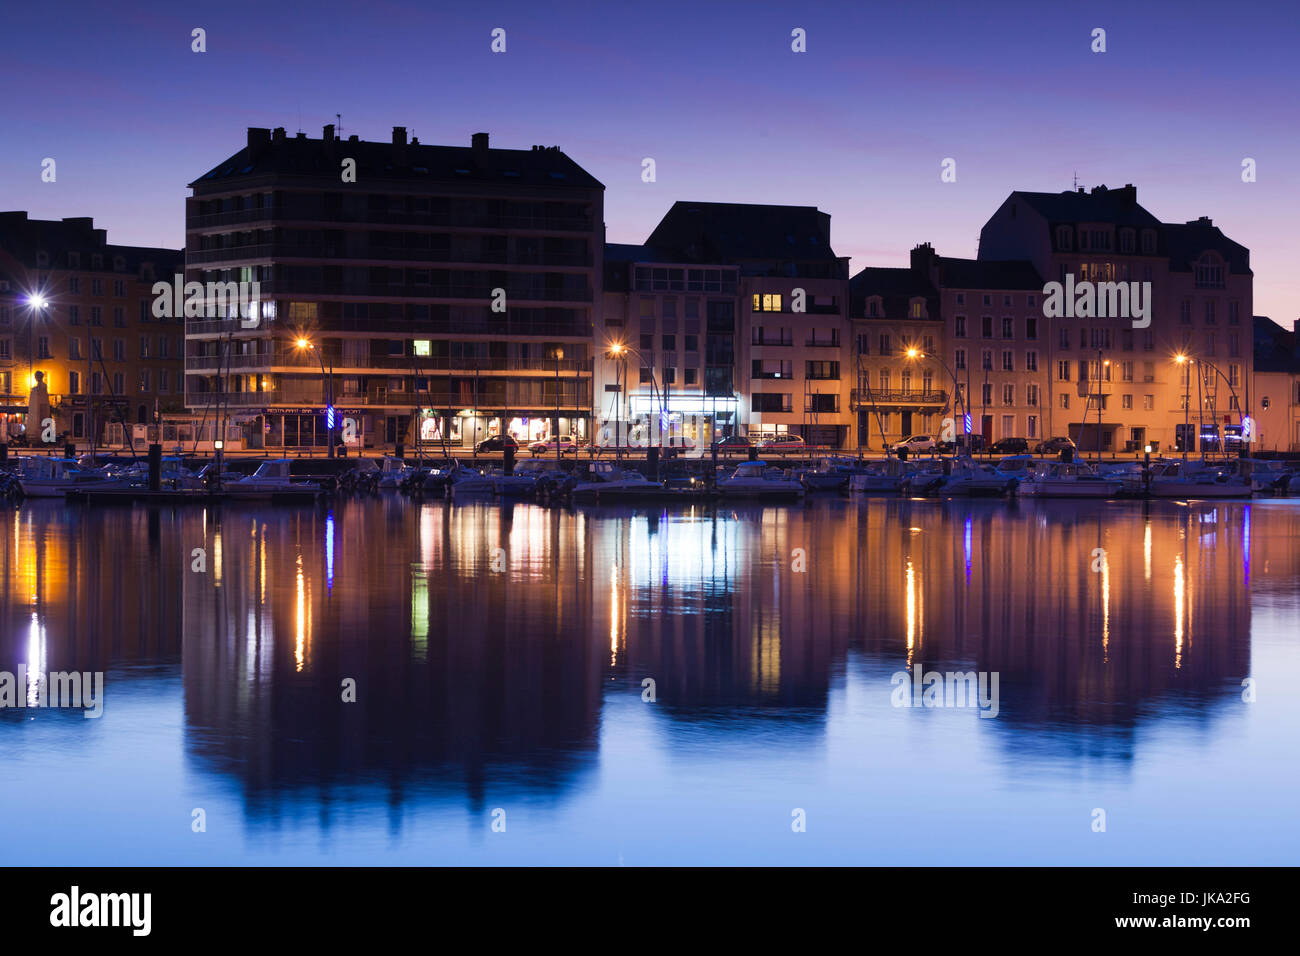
(79, 310)
(1276, 387)
(1183, 380)
(432, 294)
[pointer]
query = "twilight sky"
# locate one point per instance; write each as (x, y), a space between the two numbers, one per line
(857, 126)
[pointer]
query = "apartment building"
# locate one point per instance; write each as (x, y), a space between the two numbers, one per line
(79, 310)
(1276, 386)
(1181, 381)
(435, 293)
(791, 328)
(665, 350)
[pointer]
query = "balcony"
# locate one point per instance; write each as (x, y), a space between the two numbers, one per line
(282, 250)
(497, 326)
(896, 396)
(417, 365)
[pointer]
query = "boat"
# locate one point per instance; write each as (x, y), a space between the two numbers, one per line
(1202, 479)
(1076, 479)
(54, 477)
(272, 478)
(887, 476)
(607, 481)
(759, 479)
(1270, 477)
(974, 478)
(517, 485)
(393, 471)
(830, 474)
(465, 480)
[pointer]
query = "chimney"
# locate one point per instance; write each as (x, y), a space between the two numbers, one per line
(479, 143)
(258, 140)
(399, 135)
(327, 134)
(277, 135)
(925, 261)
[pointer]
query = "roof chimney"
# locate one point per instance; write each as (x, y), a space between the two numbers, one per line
(327, 134)
(923, 259)
(399, 135)
(258, 139)
(277, 135)
(479, 143)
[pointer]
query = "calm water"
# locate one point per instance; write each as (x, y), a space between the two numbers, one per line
(498, 655)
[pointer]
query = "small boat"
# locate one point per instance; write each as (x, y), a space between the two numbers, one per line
(54, 477)
(393, 471)
(1056, 479)
(759, 479)
(513, 486)
(972, 479)
(887, 476)
(1199, 480)
(607, 481)
(469, 481)
(273, 477)
(830, 474)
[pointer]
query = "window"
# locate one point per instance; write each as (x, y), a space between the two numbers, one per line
(1063, 237)
(692, 376)
(873, 307)
(670, 376)
(1031, 328)
(1063, 338)
(767, 302)
(144, 380)
(74, 349)
(144, 310)
(692, 343)
(119, 288)
(918, 310)
(1209, 272)
(97, 348)
(1031, 361)
(670, 343)
(988, 300)
(960, 330)
(822, 370)
(1185, 312)
(647, 341)
(961, 298)
(821, 402)
(1063, 370)
(1126, 371)
(1008, 394)
(1126, 243)
(772, 368)
(1234, 375)
(1031, 395)
(1148, 340)
(670, 308)
(986, 326)
(1008, 362)
(96, 286)
(986, 393)
(1126, 402)
(1148, 402)
(164, 385)
(74, 285)
(74, 382)
(960, 358)
(1211, 309)
(144, 346)
(1234, 312)
(646, 376)
(119, 350)
(1063, 400)
(96, 315)
(884, 345)
(1008, 327)
(43, 346)
(1126, 340)
(1234, 345)
(119, 383)
(987, 363)
(6, 349)
(770, 402)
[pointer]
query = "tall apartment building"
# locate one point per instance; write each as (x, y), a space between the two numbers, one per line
(670, 328)
(79, 309)
(1114, 386)
(445, 285)
(791, 330)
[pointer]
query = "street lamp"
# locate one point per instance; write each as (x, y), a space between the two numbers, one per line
(1182, 359)
(304, 344)
(619, 351)
(914, 354)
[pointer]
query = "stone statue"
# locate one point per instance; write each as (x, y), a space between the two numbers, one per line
(38, 409)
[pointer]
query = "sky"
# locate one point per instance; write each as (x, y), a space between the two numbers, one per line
(858, 125)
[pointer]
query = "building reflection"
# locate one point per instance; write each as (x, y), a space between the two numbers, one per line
(484, 640)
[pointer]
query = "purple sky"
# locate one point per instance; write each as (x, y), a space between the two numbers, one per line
(858, 125)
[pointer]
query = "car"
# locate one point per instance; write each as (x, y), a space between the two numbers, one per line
(1010, 446)
(782, 443)
(732, 443)
(498, 443)
(952, 446)
(1052, 446)
(547, 445)
(915, 443)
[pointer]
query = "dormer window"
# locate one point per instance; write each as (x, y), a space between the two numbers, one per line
(1148, 242)
(1063, 239)
(874, 307)
(917, 310)
(1209, 271)
(1126, 241)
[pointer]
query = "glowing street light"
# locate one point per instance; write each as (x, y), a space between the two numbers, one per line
(303, 343)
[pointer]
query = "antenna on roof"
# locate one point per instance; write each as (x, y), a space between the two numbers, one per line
(1076, 180)
(339, 119)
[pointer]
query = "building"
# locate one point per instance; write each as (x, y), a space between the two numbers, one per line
(1277, 387)
(1115, 383)
(791, 330)
(450, 285)
(79, 309)
(665, 351)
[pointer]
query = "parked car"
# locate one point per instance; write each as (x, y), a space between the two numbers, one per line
(547, 446)
(498, 443)
(915, 443)
(781, 444)
(732, 443)
(1010, 446)
(1053, 446)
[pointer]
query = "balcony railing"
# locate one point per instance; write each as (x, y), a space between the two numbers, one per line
(260, 251)
(420, 365)
(497, 326)
(896, 396)
(379, 397)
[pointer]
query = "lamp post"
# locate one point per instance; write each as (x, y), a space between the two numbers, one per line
(915, 354)
(1186, 362)
(619, 351)
(328, 381)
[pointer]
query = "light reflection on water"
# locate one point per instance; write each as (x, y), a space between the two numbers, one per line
(499, 654)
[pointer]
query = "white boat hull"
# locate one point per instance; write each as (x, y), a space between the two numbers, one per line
(1070, 488)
